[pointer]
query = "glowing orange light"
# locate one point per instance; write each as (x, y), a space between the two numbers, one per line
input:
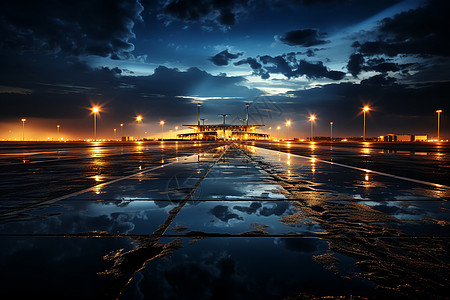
(312, 117)
(23, 120)
(366, 108)
(139, 118)
(95, 109)
(161, 123)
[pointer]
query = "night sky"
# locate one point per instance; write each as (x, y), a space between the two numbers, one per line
(288, 59)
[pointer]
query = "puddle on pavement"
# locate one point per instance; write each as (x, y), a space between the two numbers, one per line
(249, 268)
(78, 216)
(241, 217)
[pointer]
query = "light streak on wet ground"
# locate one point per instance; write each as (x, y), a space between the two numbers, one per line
(215, 220)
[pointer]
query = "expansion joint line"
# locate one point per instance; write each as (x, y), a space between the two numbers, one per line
(175, 211)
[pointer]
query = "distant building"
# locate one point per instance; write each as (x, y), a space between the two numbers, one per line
(403, 138)
(420, 138)
(127, 138)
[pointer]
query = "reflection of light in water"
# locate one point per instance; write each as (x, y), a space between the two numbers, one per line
(97, 190)
(313, 165)
(98, 178)
(365, 149)
(162, 161)
(140, 167)
(366, 178)
(288, 162)
(96, 151)
(312, 145)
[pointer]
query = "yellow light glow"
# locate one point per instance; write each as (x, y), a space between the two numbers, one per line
(161, 123)
(139, 118)
(439, 111)
(366, 108)
(312, 118)
(23, 120)
(288, 123)
(95, 109)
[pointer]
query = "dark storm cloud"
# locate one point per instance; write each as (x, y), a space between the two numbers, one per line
(303, 37)
(380, 79)
(420, 31)
(290, 67)
(256, 67)
(355, 63)
(81, 27)
(223, 58)
(223, 13)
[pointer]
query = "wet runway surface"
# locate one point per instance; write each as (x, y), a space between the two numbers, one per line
(215, 220)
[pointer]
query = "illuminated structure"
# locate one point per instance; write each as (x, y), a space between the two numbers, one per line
(224, 131)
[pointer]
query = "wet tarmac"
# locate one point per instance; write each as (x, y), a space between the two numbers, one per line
(193, 220)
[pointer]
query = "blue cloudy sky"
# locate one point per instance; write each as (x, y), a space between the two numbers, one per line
(288, 59)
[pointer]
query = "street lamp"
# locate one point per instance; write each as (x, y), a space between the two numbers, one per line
(278, 132)
(95, 110)
(121, 130)
(57, 128)
(288, 123)
(365, 109)
(162, 130)
(23, 129)
(311, 119)
(115, 134)
(139, 119)
(331, 131)
(439, 111)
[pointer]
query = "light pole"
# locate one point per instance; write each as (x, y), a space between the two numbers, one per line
(121, 130)
(288, 123)
(115, 134)
(95, 110)
(57, 128)
(162, 130)
(278, 132)
(439, 111)
(311, 119)
(139, 119)
(176, 132)
(365, 109)
(331, 131)
(23, 129)
(198, 114)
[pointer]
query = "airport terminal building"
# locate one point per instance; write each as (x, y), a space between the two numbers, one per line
(223, 131)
